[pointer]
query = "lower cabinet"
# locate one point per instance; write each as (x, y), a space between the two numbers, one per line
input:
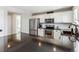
(66, 42)
(41, 32)
(57, 37)
(76, 46)
(57, 34)
(62, 40)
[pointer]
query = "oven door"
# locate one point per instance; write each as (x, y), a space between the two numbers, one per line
(49, 34)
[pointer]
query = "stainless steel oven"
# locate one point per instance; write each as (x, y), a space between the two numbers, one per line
(49, 34)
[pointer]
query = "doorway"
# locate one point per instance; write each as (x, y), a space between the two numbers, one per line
(14, 27)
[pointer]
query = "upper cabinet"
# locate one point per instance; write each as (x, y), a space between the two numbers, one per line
(59, 17)
(76, 15)
(45, 16)
(68, 16)
(63, 17)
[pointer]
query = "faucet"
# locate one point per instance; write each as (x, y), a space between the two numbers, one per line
(70, 25)
(75, 34)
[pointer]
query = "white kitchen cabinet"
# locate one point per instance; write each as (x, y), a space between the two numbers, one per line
(63, 17)
(50, 15)
(58, 17)
(76, 15)
(66, 42)
(68, 16)
(57, 34)
(58, 37)
(41, 32)
(42, 18)
(62, 40)
(76, 46)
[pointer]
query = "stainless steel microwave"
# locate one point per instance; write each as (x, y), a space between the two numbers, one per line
(49, 20)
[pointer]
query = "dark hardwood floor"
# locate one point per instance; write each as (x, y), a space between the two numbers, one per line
(27, 43)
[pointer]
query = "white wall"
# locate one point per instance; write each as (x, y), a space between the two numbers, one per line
(3, 27)
(9, 24)
(25, 23)
(14, 24)
(3, 22)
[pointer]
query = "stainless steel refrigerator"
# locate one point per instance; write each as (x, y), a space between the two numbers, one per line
(33, 26)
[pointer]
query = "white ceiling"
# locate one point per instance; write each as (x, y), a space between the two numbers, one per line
(32, 9)
(35, 9)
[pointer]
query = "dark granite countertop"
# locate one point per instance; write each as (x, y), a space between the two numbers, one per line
(49, 29)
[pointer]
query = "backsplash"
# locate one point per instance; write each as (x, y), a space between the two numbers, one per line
(61, 26)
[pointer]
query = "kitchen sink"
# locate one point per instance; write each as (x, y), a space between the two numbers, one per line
(67, 33)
